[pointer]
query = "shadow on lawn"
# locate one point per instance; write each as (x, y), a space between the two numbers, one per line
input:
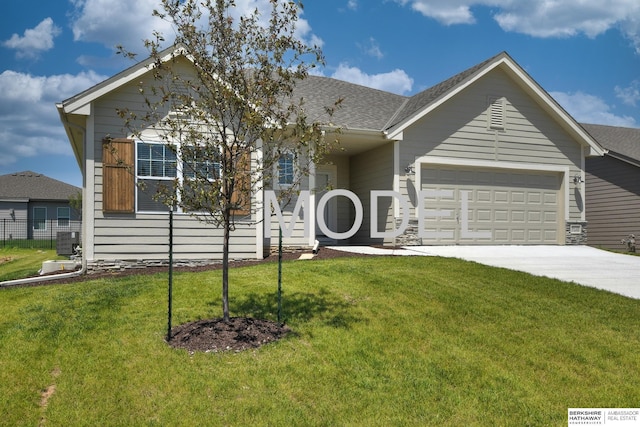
(322, 306)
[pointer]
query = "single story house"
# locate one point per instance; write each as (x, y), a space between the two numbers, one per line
(484, 157)
(34, 206)
(613, 187)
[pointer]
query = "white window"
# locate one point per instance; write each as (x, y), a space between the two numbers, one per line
(285, 174)
(160, 165)
(197, 163)
(156, 165)
(39, 218)
(64, 216)
(495, 113)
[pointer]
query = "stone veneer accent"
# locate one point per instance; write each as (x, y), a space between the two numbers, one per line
(410, 235)
(101, 266)
(576, 238)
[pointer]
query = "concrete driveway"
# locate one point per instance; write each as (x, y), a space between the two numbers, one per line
(584, 265)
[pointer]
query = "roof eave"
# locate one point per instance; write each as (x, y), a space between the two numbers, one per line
(78, 103)
(76, 145)
(623, 158)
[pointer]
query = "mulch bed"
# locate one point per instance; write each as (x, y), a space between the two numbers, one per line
(215, 335)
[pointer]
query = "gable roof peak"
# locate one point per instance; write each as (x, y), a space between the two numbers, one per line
(418, 102)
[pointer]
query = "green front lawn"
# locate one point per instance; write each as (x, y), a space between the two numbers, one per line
(378, 341)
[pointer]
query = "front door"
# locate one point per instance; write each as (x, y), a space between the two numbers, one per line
(326, 177)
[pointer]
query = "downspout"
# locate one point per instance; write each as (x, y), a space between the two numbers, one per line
(82, 130)
(83, 268)
(28, 280)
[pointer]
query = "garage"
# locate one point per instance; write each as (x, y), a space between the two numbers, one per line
(465, 205)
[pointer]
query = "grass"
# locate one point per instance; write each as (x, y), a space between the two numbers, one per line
(19, 263)
(378, 342)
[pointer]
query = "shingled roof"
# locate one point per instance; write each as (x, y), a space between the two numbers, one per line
(372, 109)
(624, 142)
(34, 186)
(362, 107)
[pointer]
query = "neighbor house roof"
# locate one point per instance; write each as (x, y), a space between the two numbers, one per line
(621, 142)
(29, 185)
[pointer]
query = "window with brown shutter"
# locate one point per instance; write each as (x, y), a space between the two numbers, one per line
(118, 181)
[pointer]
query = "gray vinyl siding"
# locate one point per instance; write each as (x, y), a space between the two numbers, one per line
(373, 170)
(13, 226)
(145, 236)
(19, 210)
(459, 129)
(613, 201)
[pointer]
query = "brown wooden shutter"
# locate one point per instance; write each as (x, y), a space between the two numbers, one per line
(118, 181)
(242, 193)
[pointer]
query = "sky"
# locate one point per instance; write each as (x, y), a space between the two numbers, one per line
(585, 53)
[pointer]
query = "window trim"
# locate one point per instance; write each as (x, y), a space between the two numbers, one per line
(277, 170)
(180, 176)
(140, 178)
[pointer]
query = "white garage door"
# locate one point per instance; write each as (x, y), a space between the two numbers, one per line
(502, 207)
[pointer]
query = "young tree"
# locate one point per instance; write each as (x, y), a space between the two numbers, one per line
(224, 103)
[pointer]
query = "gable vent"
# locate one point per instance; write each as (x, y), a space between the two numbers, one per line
(496, 113)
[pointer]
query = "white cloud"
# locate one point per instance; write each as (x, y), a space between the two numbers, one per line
(35, 40)
(129, 23)
(117, 22)
(587, 108)
(352, 4)
(542, 18)
(396, 81)
(629, 95)
(28, 118)
(372, 48)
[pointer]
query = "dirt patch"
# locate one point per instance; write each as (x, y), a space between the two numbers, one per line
(215, 335)
(46, 395)
(5, 259)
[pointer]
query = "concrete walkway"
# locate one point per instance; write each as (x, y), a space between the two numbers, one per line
(584, 265)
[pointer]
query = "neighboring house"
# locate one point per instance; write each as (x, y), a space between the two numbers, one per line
(501, 163)
(613, 187)
(33, 206)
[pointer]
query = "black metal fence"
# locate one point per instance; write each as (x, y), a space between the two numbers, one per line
(39, 234)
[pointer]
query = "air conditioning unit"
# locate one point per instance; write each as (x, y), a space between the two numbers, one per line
(67, 242)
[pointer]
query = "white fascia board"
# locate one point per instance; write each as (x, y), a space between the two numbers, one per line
(493, 164)
(583, 136)
(396, 134)
(80, 103)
